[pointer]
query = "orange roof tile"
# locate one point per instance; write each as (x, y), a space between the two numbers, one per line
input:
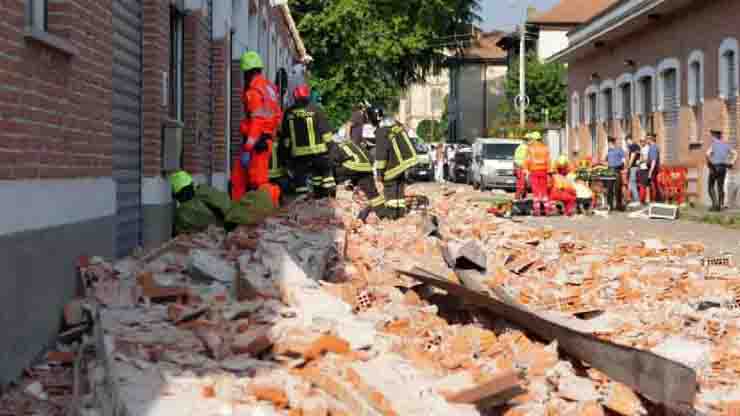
(572, 12)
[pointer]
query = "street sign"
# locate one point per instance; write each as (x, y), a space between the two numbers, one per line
(521, 102)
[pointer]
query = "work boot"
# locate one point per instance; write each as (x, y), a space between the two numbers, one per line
(721, 200)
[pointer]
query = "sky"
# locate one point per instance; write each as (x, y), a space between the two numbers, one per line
(504, 14)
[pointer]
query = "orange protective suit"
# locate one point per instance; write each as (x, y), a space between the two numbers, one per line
(263, 116)
(563, 191)
(538, 166)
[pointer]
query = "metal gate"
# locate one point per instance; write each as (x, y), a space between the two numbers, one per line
(670, 115)
(127, 55)
(732, 99)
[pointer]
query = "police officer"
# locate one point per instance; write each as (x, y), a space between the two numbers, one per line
(306, 134)
(394, 155)
(352, 163)
(720, 157)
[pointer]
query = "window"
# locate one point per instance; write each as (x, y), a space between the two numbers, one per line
(625, 107)
(728, 74)
(175, 83)
(436, 101)
(37, 15)
(646, 111)
(696, 96)
(607, 106)
(592, 121)
(575, 110)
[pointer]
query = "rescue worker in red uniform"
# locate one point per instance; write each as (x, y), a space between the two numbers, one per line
(563, 191)
(538, 167)
(306, 135)
(263, 115)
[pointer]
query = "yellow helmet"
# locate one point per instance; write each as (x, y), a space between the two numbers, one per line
(179, 180)
(562, 160)
(533, 136)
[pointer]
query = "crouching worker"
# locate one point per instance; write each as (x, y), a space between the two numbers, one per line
(584, 195)
(352, 163)
(201, 206)
(563, 191)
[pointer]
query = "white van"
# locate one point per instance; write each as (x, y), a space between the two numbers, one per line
(493, 164)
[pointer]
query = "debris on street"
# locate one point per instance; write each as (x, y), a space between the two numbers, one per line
(307, 314)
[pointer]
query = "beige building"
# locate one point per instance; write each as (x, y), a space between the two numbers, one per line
(424, 101)
(668, 67)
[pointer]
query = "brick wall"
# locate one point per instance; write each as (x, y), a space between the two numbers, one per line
(221, 51)
(156, 61)
(670, 37)
(55, 109)
(237, 110)
(198, 133)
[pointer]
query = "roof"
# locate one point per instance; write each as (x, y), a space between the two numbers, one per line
(485, 47)
(572, 12)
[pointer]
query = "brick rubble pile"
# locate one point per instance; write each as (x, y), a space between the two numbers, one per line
(306, 315)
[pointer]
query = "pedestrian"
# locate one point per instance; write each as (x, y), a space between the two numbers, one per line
(263, 114)
(306, 136)
(520, 158)
(633, 164)
(643, 175)
(394, 155)
(352, 163)
(653, 160)
(720, 157)
(439, 159)
(538, 167)
(615, 162)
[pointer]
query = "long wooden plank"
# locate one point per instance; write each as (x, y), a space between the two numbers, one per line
(661, 380)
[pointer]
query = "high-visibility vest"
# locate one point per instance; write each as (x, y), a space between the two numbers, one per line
(394, 152)
(538, 157)
(520, 155)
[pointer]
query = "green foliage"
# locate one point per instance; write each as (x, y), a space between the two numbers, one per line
(373, 49)
(430, 131)
(546, 89)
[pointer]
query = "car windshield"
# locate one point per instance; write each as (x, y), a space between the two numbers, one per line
(462, 157)
(499, 151)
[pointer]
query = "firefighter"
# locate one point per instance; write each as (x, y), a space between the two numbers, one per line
(538, 166)
(520, 157)
(352, 163)
(306, 135)
(394, 155)
(263, 114)
(277, 172)
(201, 206)
(563, 191)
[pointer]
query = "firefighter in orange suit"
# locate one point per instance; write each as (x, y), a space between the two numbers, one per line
(263, 117)
(538, 167)
(563, 191)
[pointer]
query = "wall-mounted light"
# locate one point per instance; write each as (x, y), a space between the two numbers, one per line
(599, 44)
(629, 62)
(595, 76)
(654, 16)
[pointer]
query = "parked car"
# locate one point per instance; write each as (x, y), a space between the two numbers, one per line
(460, 166)
(493, 164)
(424, 169)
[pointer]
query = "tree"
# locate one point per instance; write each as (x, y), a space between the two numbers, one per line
(430, 130)
(546, 89)
(370, 50)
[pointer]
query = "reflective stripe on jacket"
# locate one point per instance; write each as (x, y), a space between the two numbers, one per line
(276, 169)
(394, 151)
(355, 159)
(307, 130)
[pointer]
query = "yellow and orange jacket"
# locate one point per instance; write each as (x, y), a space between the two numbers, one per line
(538, 158)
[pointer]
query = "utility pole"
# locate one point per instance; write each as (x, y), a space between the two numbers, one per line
(522, 74)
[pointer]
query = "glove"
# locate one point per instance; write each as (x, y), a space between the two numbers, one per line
(245, 158)
(261, 145)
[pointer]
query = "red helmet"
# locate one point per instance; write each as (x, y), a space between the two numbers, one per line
(302, 92)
